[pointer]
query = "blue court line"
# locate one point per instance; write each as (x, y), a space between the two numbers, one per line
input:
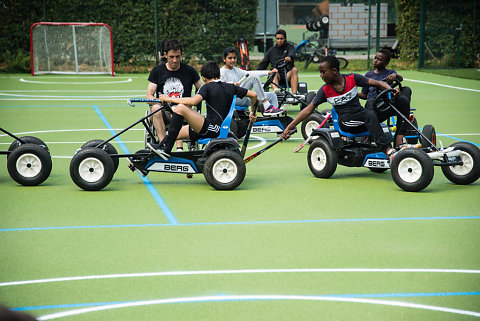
(171, 218)
(248, 223)
(459, 139)
(374, 295)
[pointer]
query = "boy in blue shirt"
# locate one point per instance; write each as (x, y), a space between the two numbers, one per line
(402, 102)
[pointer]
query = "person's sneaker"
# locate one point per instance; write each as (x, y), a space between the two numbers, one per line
(272, 111)
(277, 91)
(132, 167)
(179, 149)
(159, 150)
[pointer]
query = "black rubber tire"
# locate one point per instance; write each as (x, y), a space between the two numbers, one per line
(29, 164)
(29, 140)
(107, 147)
(308, 99)
(324, 20)
(429, 132)
(322, 159)
(412, 169)
(91, 169)
(469, 172)
(412, 132)
(343, 62)
(224, 169)
(311, 123)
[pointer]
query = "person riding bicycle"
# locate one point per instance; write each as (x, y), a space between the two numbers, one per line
(282, 52)
(340, 90)
(218, 97)
(402, 102)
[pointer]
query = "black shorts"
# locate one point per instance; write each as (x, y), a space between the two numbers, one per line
(209, 130)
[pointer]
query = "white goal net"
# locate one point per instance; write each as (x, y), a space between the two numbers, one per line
(71, 48)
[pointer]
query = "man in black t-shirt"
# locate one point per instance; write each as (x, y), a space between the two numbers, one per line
(282, 52)
(218, 97)
(173, 78)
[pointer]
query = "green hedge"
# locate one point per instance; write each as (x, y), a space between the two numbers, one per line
(205, 27)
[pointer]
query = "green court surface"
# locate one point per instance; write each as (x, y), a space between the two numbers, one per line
(284, 245)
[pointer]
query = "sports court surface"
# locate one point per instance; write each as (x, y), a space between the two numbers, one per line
(284, 245)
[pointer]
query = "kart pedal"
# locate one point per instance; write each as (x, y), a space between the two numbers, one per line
(133, 168)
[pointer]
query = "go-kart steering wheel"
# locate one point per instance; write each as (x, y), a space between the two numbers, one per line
(270, 79)
(384, 101)
(395, 83)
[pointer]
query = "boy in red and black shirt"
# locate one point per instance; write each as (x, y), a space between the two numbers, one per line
(340, 90)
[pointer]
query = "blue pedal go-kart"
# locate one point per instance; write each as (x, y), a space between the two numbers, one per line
(412, 167)
(28, 160)
(220, 160)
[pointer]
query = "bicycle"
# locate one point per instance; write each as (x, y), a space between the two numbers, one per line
(314, 50)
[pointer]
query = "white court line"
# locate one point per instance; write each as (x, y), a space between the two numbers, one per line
(223, 298)
(62, 97)
(225, 272)
(74, 83)
(442, 85)
(419, 81)
(74, 91)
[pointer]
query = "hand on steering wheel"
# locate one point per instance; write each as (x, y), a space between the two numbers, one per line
(384, 100)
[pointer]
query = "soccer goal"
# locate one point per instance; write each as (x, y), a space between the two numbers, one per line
(71, 48)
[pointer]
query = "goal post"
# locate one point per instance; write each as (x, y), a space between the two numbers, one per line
(71, 48)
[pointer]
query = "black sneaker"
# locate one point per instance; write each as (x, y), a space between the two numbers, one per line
(159, 150)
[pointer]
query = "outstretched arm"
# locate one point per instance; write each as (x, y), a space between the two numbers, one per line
(189, 101)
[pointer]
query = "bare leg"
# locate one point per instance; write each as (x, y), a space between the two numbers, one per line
(158, 123)
(292, 77)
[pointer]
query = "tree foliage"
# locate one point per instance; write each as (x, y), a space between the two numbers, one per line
(444, 42)
(205, 27)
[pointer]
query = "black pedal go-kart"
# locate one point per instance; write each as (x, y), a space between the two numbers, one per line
(412, 167)
(220, 160)
(28, 160)
(303, 97)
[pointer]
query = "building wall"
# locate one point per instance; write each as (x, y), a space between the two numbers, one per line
(347, 22)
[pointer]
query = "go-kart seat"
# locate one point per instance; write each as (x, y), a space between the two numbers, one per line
(336, 126)
(224, 127)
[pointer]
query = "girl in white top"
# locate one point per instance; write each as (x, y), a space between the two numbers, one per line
(231, 74)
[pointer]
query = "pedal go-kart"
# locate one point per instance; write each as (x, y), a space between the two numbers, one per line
(303, 97)
(220, 160)
(412, 167)
(28, 160)
(412, 137)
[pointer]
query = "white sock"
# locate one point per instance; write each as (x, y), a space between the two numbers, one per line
(266, 104)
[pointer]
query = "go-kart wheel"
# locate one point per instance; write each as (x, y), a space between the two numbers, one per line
(429, 132)
(91, 169)
(29, 164)
(308, 99)
(412, 169)
(322, 159)
(311, 123)
(107, 147)
(29, 140)
(224, 169)
(469, 172)
(412, 132)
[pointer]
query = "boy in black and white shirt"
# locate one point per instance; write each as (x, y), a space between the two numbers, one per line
(218, 97)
